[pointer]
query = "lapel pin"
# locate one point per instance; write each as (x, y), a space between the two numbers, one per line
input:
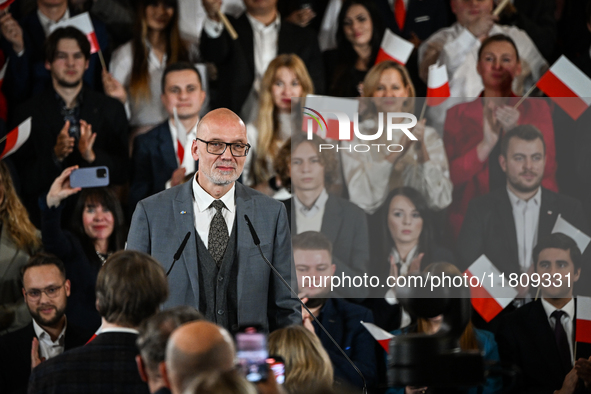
(549, 212)
(183, 212)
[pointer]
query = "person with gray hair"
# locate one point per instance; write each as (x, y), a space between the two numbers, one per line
(151, 343)
(195, 348)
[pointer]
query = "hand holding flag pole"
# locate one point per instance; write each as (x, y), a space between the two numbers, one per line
(500, 7)
(227, 25)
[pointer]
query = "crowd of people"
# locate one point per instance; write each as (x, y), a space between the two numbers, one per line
(194, 112)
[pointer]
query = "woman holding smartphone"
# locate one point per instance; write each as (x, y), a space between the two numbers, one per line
(97, 232)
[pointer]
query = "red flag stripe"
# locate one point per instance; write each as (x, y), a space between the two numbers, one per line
(94, 44)
(385, 343)
(333, 127)
(180, 151)
(562, 95)
(436, 96)
(583, 331)
(11, 139)
(383, 55)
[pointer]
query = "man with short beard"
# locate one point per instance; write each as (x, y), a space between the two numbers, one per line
(220, 271)
(46, 292)
(506, 224)
(71, 125)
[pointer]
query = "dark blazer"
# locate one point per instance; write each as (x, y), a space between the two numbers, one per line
(235, 59)
(152, 164)
(160, 223)
(26, 75)
(35, 159)
(80, 270)
(526, 341)
(423, 17)
(104, 366)
(489, 227)
(345, 225)
(342, 320)
(15, 363)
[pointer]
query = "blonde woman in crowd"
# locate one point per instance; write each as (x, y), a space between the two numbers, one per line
(286, 77)
(422, 164)
(307, 365)
(19, 240)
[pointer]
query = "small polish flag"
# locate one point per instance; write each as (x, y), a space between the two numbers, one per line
(16, 138)
(437, 85)
(562, 226)
(5, 3)
(383, 337)
(583, 326)
(492, 295)
(3, 71)
(568, 86)
(320, 114)
(394, 48)
(83, 23)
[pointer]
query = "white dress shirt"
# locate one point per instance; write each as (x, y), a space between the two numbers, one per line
(46, 23)
(47, 347)
(188, 161)
(457, 48)
(390, 297)
(204, 212)
(310, 219)
(526, 215)
(119, 329)
(566, 320)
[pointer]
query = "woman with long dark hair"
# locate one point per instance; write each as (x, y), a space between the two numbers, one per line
(359, 36)
(97, 232)
(407, 245)
(19, 240)
(137, 67)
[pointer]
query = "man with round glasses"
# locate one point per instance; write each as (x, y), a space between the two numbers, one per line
(220, 271)
(46, 291)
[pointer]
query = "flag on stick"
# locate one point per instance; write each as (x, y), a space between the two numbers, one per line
(16, 138)
(583, 326)
(383, 337)
(491, 297)
(83, 23)
(394, 48)
(437, 85)
(567, 86)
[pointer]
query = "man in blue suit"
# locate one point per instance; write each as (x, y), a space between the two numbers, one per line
(312, 253)
(220, 271)
(157, 162)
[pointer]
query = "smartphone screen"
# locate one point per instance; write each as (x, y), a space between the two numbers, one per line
(277, 365)
(252, 354)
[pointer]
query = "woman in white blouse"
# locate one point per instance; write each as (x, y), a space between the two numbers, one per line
(421, 164)
(286, 77)
(137, 66)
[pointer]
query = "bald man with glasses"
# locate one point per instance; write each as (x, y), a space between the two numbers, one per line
(220, 271)
(46, 292)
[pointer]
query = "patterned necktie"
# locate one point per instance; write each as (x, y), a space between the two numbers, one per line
(561, 339)
(218, 233)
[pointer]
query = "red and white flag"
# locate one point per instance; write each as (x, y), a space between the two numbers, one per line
(568, 86)
(3, 71)
(583, 326)
(16, 138)
(83, 23)
(382, 336)
(437, 85)
(394, 48)
(492, 296)
(5, 3)
(321, 113)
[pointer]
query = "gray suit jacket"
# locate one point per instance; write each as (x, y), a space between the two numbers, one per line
(160, 223)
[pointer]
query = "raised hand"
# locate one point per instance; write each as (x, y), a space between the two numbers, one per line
(113, 88)
(12, 31)
(60, 188)
(87, 138)
(64, 144)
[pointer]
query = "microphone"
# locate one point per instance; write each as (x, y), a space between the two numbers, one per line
(178, 253)
(257, 242)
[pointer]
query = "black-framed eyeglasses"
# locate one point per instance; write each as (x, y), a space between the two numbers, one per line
(51, 292)
(238, 149)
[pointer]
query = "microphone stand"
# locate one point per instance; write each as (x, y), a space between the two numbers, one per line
(257, 242)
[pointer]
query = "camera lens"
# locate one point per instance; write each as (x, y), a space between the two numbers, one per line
(101, 173)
